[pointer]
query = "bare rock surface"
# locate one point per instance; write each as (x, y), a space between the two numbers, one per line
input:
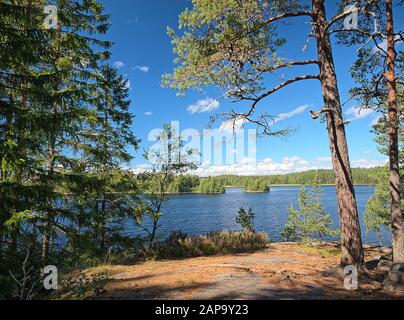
(395, 278)
(283, 271)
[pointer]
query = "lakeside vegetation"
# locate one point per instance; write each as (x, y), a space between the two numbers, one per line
(180, 245)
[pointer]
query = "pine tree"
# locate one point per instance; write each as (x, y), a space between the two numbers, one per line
(310, 221)
(377, 72)
(234, 45)
(61, 142)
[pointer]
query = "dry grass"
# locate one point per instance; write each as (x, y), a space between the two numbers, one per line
(179, 246)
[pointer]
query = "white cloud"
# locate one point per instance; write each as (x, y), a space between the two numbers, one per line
(148, 113)
(144, 69)
(265, 167)
(118, 64)
(323, 159)
(382, 46)
(368, 163)
(204, 105)
(270, 167)
(232, 125)
(286, 115)
(376, 119)
(356, 113)
(140, 168)
(286, 165)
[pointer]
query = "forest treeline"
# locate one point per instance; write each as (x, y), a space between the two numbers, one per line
(190, 183)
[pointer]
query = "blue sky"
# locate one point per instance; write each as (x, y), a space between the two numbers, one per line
(143, 52)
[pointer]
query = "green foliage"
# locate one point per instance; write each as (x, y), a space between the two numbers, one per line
(364, 176)
(82, 286)
(210, 185)
(381, 129)
(246, 219)
(377, 213)
(228, 44)
(310, 221)
(259, 184)
(183, 184)
(369, 69)
(186, 183)
(65, 130)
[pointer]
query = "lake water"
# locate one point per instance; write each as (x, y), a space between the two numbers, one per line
(199, 214)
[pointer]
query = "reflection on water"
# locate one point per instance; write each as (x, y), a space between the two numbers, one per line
(198, 214)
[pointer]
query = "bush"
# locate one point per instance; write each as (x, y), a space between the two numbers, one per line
(179, 245)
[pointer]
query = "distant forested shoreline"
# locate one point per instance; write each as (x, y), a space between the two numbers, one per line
(188, 183)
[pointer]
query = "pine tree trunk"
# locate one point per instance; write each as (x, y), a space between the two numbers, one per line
(351, 242)
(395, 209)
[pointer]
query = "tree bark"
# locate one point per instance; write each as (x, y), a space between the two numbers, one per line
(395, 206)
(351, 242)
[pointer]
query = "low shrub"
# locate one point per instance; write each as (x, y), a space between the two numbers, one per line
(179, 245)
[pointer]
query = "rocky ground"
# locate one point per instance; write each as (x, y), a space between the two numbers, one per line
(283, 271)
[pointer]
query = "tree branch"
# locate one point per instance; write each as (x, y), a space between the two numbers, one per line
(288, 15)
(282, 85)
(340, 16)
(288, 64)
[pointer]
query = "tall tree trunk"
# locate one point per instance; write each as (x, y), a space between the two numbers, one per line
(47, 224)
(395, 209)
(351, 242)
(45, 243)
(103, 224)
